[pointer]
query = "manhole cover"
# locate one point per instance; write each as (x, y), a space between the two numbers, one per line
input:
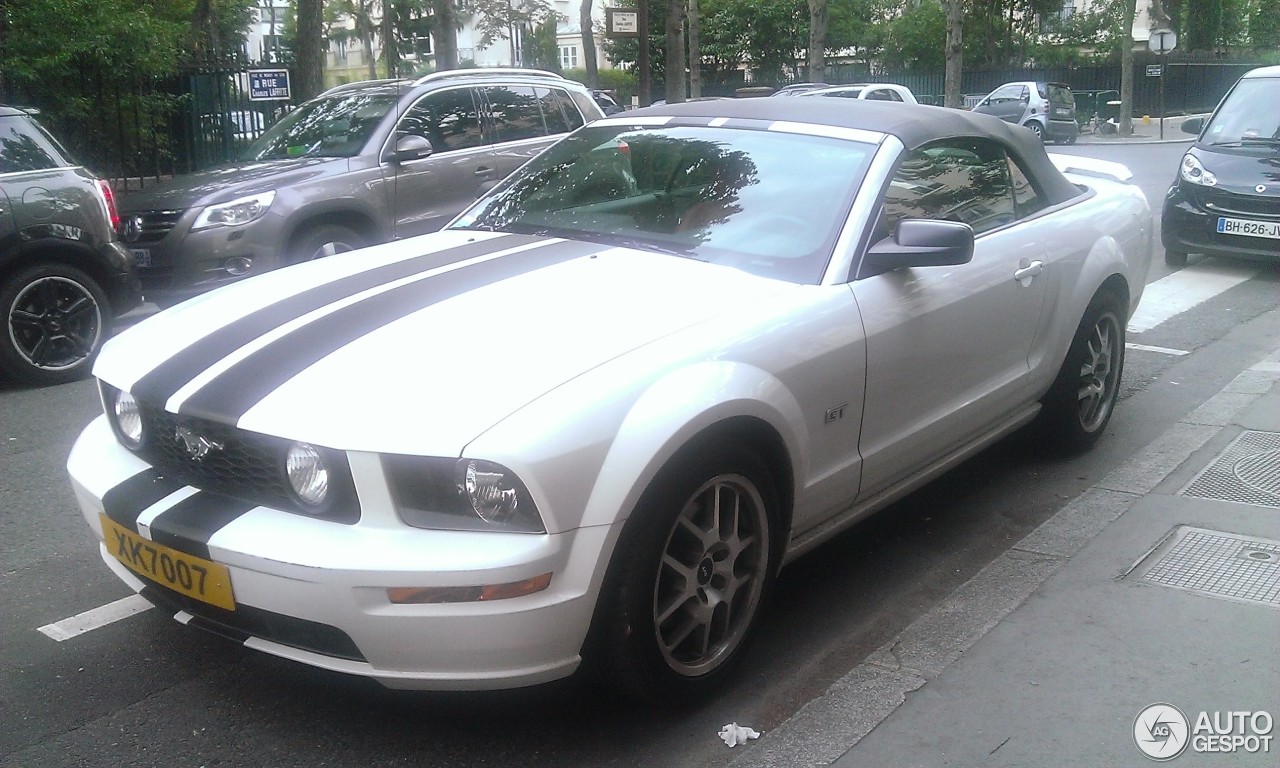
(1247, 472)
(1240, 568)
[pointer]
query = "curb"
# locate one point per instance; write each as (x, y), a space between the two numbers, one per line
(826, 728)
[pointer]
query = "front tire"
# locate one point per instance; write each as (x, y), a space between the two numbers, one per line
(324, 240)
(55, 321)
(1078, 406)
(688, 578)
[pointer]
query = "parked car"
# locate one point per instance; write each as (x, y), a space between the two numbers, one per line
(1225, 200)
(587, 422)
(795, 89)
(362, 163)
(63, 274)
(1046, 109)
(608, 105)
(865, 92)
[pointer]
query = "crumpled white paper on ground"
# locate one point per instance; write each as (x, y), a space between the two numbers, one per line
(734, 734)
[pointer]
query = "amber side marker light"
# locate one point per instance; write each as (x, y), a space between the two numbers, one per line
(407, 595)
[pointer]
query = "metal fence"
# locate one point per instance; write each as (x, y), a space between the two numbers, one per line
(134, 130)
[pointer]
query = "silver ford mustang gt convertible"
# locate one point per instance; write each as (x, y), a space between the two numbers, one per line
(586, 423)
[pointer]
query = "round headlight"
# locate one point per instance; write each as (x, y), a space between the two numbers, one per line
(491, 493)
(1193, 170)
(308, 473)
(128, 419)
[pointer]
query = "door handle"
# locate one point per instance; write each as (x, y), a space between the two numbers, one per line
(1024, 274)
(484, 172)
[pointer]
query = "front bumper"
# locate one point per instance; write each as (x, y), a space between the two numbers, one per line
(180, 264)
(316, 592)
(1187, 227)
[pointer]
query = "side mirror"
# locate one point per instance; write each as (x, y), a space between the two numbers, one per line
(920, 243)
(1193, 125)
(409, 148)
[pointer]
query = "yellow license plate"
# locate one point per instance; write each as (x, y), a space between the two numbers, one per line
(192, 576)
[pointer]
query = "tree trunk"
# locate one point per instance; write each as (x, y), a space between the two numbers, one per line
(642, 59)
(445, 34)
(310, 54)
(1126, 68)
(817, 40)
(675, 51)
(588, 45)
(695, 52)
(955, 54)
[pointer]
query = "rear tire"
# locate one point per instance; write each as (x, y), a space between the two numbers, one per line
(55, 321)
(1035, 128)
(1078, 405)
(688, 577)
(1175, 258)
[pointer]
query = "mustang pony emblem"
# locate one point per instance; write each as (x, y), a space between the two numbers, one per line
(196, 446)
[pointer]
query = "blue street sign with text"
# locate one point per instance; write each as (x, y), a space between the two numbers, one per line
(268, 84)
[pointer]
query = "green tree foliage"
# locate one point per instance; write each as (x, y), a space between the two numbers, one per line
(1204, 24)
(912, 41)
(1264, 27)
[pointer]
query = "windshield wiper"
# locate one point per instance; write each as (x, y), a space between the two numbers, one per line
(1252, 141)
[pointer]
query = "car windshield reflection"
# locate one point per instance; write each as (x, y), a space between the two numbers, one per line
(767, 202)
(334, 127)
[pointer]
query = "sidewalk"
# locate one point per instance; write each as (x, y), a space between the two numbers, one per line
(1144, 133)
(1150, 588)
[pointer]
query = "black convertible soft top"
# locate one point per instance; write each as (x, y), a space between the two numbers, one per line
(915, 125)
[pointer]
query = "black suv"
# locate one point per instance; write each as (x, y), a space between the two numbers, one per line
(63, 274)
(362, 163)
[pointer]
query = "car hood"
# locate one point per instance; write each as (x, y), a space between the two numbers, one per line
(417, 346)
(218, 185)
(1242, 170)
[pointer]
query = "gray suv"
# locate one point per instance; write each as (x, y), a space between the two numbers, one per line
(63, 274)
(362, 163)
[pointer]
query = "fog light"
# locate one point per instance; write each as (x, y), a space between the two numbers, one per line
(308, 473)
(238, 265)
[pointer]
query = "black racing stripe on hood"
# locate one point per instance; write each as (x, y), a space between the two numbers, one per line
(164, 380)
(123, 503)
(189, 524)
(227, 397)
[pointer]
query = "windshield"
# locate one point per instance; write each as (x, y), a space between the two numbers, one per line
(334, 127)
(1251, 113)
(767, 202)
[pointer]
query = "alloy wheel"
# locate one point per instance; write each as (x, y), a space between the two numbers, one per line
(55, 323)
(1099, 373)
(712, 575)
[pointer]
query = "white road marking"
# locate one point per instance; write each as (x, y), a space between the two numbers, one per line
(1184, 289)
(96, 618)
(1161, 350)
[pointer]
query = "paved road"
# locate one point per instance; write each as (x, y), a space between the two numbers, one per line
(146, 691)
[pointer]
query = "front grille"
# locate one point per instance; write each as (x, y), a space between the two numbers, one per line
(155, 224)
(238, 463)
(1235, 204)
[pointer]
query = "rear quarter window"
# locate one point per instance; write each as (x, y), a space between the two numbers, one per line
(24, 147)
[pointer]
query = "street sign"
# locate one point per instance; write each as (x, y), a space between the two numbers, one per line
(622, 22)
(1162, 40)
(268, 84)
(1153, 70)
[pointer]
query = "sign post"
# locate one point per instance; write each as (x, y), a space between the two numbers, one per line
(1162, 41)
